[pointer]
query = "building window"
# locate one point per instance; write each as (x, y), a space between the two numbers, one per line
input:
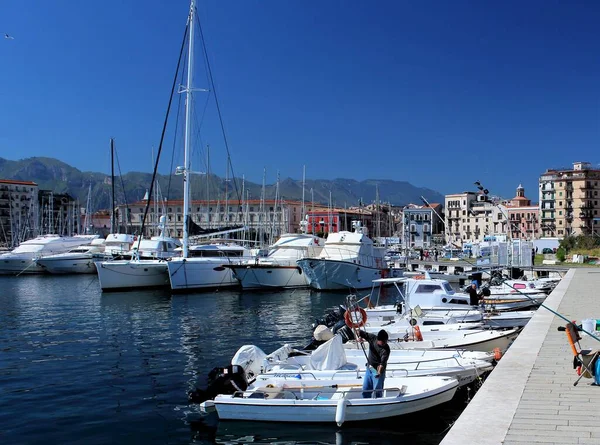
(559, 193)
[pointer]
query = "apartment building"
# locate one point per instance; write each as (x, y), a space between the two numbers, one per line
(423, 225)
(569, 201)
(18, 211)
(471, 216)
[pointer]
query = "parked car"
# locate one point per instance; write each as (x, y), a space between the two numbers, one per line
(546, 250)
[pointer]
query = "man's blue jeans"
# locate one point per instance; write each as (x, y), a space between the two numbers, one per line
(370, 382)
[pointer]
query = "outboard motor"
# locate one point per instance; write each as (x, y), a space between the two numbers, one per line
(220, 381)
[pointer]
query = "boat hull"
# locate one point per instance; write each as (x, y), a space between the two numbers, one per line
(200, 273)
(313, 410)
(472, 341)
(134, 274)
(269, 276)
(324, 274)
(68, 265)
(19, 265)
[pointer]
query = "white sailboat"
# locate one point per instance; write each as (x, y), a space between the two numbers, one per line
(139, 273)
(349, 260)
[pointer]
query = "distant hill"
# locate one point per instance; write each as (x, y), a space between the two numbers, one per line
(55, 175)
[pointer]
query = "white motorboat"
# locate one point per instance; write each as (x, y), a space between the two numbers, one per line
(22, 259)
(279, 269)
(472, 340)
(432, 300)
(118, 245)
(514, 294)
(204, 268)
(333, 401)
(330, 361)
(159, 247)
(349, 260)
(76, 261)
(436, 298)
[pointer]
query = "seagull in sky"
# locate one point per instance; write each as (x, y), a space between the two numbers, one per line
(6, 36)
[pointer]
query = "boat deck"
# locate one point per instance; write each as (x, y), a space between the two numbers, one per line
(530, 397)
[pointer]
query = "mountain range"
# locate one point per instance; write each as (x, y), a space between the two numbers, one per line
(53, 174)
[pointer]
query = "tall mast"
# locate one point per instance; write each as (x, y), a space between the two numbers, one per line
(188, 132)
(303, 210)
(226, 191)
(112, 184)
(209, 224)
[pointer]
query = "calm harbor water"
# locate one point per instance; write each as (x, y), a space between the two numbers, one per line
(80, 366)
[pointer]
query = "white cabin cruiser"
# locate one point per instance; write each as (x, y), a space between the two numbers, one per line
(204, 268)
(279, 269)
(79, 260)
(436, 298)
(349, 260)
(22, 259)
(118, 245)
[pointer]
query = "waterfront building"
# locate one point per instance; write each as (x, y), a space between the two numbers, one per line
(523, 217)
(59, 214)
(472, 217)
(265, 219)
(18, 211)
(423, 227)
(569, 201)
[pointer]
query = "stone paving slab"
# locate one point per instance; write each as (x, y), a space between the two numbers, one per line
(530, 397)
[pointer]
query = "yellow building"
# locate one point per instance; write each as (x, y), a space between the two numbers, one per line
(569, 201)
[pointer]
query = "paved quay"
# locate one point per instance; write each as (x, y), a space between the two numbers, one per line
(530, 397)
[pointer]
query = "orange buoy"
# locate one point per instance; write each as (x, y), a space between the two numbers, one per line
(418, 335)
(353, 321)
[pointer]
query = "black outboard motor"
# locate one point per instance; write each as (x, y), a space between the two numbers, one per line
(220, 381)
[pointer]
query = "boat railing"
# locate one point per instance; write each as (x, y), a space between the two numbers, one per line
(360, 259)
(315, 392)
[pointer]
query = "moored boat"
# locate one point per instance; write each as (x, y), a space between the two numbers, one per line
(329, 401)
(349, 260)
(21, 260)
(279, 269)
(76, 261)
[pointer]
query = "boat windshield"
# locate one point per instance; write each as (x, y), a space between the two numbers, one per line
(27, 248)
(448, 288)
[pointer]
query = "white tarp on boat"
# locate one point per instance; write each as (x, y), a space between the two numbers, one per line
(250, 358)
(329, 355)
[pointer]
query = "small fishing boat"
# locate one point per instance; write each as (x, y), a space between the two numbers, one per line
(333, 401)
(331, 362)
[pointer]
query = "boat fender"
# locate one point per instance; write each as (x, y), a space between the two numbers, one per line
(497, 354)
(418, 335)
(350, 319)
(340, 412)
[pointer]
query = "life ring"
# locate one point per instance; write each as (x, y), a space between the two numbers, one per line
(349, 319)
(418, 335)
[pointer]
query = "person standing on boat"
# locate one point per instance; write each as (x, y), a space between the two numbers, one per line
(474, 296)
(379, 353)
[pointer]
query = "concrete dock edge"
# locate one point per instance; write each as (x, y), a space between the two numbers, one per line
(488, 417)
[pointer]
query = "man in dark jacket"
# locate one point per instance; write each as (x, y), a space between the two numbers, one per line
(474, 296)
(379, 353)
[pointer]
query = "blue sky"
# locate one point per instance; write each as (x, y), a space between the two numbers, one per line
(438, 94)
